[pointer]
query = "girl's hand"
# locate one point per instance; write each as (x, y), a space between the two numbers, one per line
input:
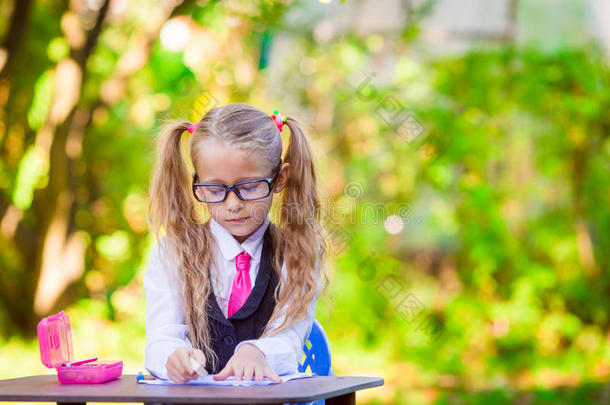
(179, 367)
(248, 361)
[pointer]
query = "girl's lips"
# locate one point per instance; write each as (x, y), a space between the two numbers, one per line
(237, 220)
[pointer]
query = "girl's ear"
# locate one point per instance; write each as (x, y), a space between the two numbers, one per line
(282, 178)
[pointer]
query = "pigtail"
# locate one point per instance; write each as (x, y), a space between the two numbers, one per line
(170, 210)
(300, 241)
(169, 200)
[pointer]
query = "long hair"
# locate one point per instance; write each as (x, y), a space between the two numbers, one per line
(298, 241)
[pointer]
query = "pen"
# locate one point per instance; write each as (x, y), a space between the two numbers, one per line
(141, 377)
(80, 362)
(202, 372)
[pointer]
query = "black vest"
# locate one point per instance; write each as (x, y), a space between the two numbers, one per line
(250, 320)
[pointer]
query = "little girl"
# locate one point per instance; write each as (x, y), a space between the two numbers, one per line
(214, 289)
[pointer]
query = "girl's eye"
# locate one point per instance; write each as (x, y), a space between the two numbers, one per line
(216, 190)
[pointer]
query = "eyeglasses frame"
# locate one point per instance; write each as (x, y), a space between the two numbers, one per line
(270, 181)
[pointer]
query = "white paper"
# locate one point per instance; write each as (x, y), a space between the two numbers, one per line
(209, 380)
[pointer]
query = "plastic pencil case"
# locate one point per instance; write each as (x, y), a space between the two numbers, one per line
(55, 340)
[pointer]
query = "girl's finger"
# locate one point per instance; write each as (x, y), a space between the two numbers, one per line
(199, 356)
(173, 367)
(239, 371)
(258, 373)
(179, 370)
(185, 364)
(173, 364)
(271, 374)
(175, 377)
(248, 371)
(225, 372)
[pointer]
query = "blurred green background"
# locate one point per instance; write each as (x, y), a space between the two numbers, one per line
(463, 150)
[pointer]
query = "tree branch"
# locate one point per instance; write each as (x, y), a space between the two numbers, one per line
(13, 39)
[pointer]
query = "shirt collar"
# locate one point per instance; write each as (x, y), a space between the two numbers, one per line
(230, 247)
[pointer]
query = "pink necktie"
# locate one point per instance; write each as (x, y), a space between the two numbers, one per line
(241, 283)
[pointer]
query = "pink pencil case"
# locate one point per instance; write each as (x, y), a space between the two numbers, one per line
(55, 340)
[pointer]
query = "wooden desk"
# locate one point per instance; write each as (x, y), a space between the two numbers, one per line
(46, 388)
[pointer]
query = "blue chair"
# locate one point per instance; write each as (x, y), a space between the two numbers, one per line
(316, 355)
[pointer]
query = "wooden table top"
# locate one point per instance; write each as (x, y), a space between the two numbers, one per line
(125, 389)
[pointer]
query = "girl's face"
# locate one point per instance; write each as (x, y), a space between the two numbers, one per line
(221, 163)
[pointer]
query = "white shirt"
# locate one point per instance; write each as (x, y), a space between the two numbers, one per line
(166, 328)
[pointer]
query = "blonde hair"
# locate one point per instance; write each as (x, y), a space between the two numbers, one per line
(297, 239)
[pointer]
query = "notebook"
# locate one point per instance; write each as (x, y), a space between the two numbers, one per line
(209, 380)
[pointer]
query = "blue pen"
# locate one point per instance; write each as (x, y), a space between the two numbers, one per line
(142, 377)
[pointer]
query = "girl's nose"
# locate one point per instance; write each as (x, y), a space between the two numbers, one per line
(233, 200)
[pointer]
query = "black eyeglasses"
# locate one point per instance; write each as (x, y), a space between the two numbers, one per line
(247, 190)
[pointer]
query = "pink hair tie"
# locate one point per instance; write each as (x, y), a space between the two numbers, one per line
(193, 127)
(278, 119)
